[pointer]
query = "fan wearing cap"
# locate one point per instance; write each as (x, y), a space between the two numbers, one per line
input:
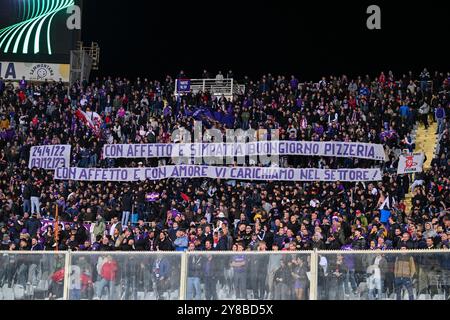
(362, 219)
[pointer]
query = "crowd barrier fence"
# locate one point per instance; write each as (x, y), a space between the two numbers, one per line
(247, 275)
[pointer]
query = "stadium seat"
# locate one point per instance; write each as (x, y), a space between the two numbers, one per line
(140, 295)
(19, 292)
(405, 295)
(42, 285)
(150, 296)
(8, 293)
(105, 296)
(362, 288)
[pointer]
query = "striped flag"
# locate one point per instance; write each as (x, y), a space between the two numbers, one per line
(90, 119)
(185, 197)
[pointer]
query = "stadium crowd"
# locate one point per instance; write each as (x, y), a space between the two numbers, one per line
(175, 214)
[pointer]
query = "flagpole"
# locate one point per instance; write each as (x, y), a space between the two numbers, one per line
(56, 228)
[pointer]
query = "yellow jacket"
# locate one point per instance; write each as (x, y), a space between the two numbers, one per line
(4, 124)
(404, 268)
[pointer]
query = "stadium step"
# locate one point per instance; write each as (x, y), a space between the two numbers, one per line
(426, 142)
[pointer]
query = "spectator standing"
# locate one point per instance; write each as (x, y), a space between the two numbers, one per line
(210, 273)
(115, 225)
(127, 204)
(440, 115)
(26, 196)
(282, 280)
(161, 272)
(338, 270)
(107, 268)
(194, 273)
(35, 199)
(239, 265)
(33, 225)
(99, 227)
(299, 274)
(404, 271)
(219, 78)
(424, 78)
(424, 110)
(376, 276)
(258, 275)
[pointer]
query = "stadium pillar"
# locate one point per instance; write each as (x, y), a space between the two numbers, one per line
(183, 275)
(314, 274)
(67, 271)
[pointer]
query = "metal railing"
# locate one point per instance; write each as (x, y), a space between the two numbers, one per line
(216, 87)
(205, 275)
(437, 150)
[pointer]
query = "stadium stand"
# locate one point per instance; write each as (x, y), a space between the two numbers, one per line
(224, 215)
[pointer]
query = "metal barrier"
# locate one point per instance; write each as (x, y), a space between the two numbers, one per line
(216, 87)
(248, 275)
(383, 275)
(251, 275)
(32, 275)
(125, 276)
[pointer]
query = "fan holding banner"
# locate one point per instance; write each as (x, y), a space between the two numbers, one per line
(410, 163)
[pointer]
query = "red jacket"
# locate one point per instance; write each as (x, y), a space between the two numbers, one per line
(22, 96)
(109, 270)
